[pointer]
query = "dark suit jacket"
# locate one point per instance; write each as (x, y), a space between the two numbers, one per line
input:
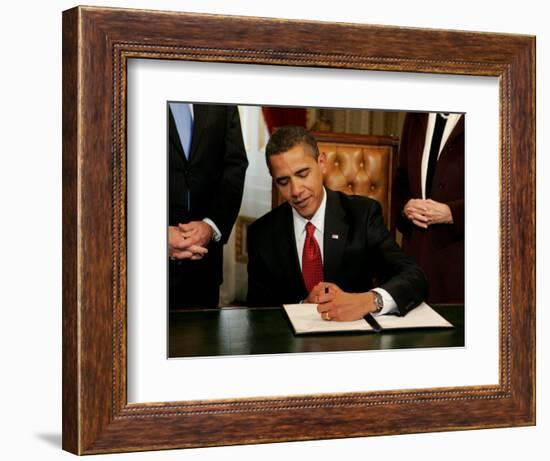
(364, 250)
(214, 174)
(214, 178)
(439, 250)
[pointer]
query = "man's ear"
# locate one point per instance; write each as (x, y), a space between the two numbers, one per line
(322, 162)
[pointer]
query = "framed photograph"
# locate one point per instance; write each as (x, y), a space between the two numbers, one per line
(121, 392)
(359, 155)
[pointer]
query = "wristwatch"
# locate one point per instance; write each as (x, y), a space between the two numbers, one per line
(378, 302)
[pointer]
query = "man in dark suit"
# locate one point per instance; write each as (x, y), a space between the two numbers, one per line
(207, 164)
(429, 194)
(325, 247)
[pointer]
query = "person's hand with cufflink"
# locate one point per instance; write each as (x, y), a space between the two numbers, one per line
(196, 233)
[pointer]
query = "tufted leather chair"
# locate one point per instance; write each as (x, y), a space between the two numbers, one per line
(359, 164)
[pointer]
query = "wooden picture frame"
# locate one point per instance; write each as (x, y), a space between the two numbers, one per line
(97, 43)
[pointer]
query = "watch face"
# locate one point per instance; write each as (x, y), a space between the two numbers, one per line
(378, 301)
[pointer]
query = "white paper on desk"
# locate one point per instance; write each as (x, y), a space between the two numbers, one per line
(422, 316)
(306, 319)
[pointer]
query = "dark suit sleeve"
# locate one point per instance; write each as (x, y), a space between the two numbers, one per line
(402, 189)
(457, 210)
(229, 193)
(259, 283)
(398, 274)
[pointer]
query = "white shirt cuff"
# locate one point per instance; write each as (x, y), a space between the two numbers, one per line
(216, 234)
(390, 306)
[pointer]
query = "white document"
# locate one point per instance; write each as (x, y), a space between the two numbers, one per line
(422, 316)
(306, 319)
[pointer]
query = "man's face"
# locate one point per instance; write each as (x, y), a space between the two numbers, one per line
(299, 178)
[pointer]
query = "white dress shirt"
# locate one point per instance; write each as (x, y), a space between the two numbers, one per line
(318, 220)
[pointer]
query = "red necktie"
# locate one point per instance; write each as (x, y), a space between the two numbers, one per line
(312, 265)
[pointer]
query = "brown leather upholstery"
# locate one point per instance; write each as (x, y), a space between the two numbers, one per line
(359, 164)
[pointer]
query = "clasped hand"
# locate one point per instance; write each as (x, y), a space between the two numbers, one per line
(188, 241)
(424, 213)
(335, 304)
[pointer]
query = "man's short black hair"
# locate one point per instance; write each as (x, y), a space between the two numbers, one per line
(286, 137)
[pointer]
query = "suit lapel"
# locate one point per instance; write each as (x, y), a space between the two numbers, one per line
(287, 249)
(457, 131)
(415, 161)
(335, 236)
(423, 120)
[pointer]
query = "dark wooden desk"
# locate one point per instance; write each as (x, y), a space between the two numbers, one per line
(246, 331)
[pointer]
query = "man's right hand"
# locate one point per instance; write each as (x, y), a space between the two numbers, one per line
(333, 303)
(179, 249)
(317, 294)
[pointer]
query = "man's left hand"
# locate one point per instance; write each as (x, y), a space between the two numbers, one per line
(196, 233)
(342, 306)
(437, 212)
